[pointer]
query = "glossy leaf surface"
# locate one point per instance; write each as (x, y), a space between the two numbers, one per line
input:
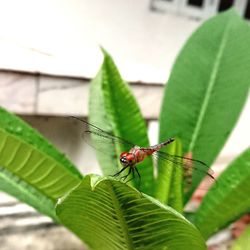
(208, 88)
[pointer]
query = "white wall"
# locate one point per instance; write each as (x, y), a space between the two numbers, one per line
(62, 37)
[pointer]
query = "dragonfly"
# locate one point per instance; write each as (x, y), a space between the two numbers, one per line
(135, 154)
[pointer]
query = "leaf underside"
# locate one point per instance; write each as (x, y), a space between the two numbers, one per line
(108, 214)
(32, 166)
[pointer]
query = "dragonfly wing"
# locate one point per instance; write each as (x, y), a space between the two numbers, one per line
(100, 139)
(191, 168)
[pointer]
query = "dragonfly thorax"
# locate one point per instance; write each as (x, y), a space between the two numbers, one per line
(127, 159)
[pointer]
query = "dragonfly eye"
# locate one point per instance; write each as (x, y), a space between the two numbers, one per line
(123, 161)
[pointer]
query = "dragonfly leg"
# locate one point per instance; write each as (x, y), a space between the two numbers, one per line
(139, 178)
(133, 173)
(119, 172)
(126, 176)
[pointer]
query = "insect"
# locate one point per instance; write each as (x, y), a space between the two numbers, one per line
(134, 155)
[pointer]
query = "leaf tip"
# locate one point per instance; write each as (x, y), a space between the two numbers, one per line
(104, 51)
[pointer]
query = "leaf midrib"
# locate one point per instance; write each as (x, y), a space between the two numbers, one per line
(121, 217)
(208, 93)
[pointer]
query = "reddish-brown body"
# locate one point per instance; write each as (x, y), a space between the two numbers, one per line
(138, 154)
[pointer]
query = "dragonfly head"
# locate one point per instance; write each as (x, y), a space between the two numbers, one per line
(127, 159)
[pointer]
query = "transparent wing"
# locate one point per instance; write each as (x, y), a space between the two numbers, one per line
(191, 168)
(100, 139)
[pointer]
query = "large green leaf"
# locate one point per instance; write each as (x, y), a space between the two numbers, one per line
(108, 214)
(114, 109)
(27, 158)
(243, 242)
(227, 200)
(210, 77)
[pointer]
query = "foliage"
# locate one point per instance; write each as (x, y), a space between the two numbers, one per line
(114, 108)
(223, 205)
(209, 77)
(106, 212)
(31, 168)
(169, 182)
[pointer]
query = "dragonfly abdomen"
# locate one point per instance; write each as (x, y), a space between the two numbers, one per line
(153, 149)
(167, 141)
(162, 144)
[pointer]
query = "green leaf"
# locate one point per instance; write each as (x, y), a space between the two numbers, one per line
(227, 200)
(108, 214)
(25, 154)
(170, 178)
(107, 156)
(114, 109)
(243, 242)
(164, 178)
(176, 196)
(210, 77)
(14, 186)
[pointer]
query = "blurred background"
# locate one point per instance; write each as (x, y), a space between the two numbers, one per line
(49, 52)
